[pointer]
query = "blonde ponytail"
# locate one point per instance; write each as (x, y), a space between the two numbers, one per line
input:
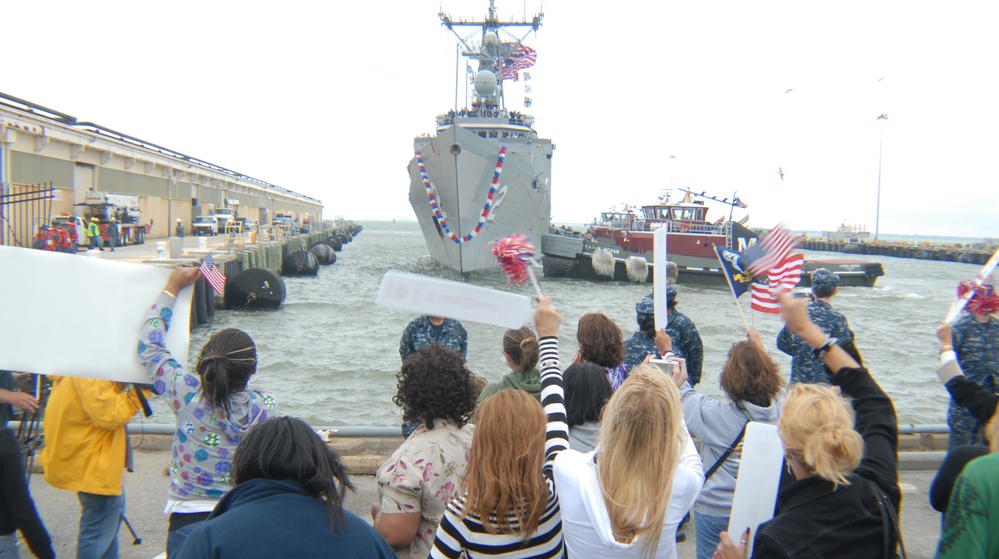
(817, 428)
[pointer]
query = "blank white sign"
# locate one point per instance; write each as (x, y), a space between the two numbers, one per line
(72, 315)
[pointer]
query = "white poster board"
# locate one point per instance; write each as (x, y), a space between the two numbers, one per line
(758, 481)
(72, 315)
(452, 299)
(660, 275)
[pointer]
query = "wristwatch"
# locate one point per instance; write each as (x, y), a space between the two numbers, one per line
(821, 351)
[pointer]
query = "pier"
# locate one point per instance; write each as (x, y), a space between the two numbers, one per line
(977, 253)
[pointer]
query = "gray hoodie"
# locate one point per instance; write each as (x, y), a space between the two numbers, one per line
(717, 424)
(585, 436)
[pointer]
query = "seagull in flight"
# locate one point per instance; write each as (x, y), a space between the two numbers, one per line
(780, 171)
(788, 91)
(882, 77)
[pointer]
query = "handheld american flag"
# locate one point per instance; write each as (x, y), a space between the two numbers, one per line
(785, 276)
(773, 249)
(212, 274)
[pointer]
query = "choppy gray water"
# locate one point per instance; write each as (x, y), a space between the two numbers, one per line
(331, 355)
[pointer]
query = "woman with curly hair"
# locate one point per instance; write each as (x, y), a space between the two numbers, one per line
(601, 342)
(509, 508)
(436, 391)
(753, 384)
(214, 406)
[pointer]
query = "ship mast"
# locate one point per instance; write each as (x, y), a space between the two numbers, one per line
(491, 50)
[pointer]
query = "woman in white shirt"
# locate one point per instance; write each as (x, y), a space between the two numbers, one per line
(626, 498)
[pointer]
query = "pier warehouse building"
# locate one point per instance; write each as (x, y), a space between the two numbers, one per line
(49, 161)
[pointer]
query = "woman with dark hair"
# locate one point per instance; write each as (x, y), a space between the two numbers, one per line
(521, 352)
(435, 390)
(753, 384)
(586, 394)
(288, 502)
(508, 507)
(214, 407)
(601, 342)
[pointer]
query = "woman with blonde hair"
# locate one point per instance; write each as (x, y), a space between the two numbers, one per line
(843, 452)
(601, 342)
(753, 384)
(521, 353)
(627, 498)
(509, 506)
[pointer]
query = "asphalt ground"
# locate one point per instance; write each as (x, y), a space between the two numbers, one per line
(146, 488)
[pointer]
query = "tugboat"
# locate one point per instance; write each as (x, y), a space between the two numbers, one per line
(485, 174)
(619, 245)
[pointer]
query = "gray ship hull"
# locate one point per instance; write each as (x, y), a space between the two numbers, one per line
(460, 165)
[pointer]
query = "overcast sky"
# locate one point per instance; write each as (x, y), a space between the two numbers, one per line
(325, 98)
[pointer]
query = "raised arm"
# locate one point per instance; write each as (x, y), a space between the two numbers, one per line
(876, 420)
(547, 321)
(164, 370)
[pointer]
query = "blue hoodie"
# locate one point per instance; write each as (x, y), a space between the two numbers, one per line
(269, 518)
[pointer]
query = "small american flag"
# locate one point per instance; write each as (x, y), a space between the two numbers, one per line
(785, 276)
(773, 249)
(521, 58)
(212, 274)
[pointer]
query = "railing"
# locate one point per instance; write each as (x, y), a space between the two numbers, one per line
(23, 207)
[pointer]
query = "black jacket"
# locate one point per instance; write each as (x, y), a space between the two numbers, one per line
(816, 521)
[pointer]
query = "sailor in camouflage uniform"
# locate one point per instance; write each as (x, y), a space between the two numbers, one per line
(643, 343)
(976, 343)
(805, 367)
(683, 334)
(428, 330)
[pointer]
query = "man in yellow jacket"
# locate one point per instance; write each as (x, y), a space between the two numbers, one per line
(85, 446)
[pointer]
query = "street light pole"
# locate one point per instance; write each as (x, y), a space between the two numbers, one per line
(672, 161)
(877, 211)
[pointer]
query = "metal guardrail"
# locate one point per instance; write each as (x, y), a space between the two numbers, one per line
(375, 432)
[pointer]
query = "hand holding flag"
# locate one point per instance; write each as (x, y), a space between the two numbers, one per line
(212, 274)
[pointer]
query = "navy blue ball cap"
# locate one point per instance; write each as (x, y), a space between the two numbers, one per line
(646, 305)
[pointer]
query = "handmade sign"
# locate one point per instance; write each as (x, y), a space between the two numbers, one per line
(75, 316)
(452, 299)
(759, 478)
(660, 276)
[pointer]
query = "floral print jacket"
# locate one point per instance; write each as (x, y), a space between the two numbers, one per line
(205, 440)
(422, 475)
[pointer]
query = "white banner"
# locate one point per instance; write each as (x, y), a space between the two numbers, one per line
(452, 299)
(74, 315)
(758, 481)
(660, 275)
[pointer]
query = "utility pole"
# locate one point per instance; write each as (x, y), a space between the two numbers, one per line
(877, 211)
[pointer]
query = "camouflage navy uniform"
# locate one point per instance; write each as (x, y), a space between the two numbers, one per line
(804, 366)
(686, 344)
(638, 346)
(977, 348)
(420, 333)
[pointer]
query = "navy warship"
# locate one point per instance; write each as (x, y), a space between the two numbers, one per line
(484, 173)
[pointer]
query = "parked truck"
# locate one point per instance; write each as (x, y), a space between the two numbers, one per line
(124, 208)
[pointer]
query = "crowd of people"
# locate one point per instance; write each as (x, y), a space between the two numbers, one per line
(593, 459)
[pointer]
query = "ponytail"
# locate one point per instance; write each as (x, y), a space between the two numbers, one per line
(817, 428)
(522, 347)
(226, 363)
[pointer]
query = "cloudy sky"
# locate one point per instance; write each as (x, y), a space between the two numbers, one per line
(325, 98)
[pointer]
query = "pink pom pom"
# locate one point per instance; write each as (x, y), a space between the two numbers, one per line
(514, 255)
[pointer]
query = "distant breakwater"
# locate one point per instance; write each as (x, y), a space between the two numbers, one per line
(968, 254)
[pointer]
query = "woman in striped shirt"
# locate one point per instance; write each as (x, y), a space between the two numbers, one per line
(509, 508)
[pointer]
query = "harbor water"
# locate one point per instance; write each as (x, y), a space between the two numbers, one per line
(331, 355)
